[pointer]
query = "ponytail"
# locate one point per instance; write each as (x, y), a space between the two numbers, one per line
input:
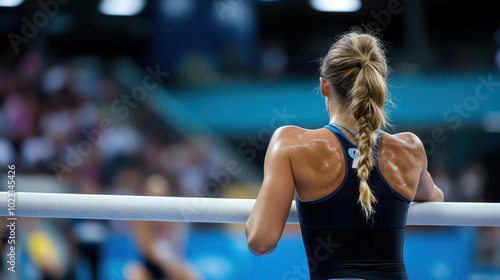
(356, 67)
(367, 95)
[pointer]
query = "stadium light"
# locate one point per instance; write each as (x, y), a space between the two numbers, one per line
(10, 3)
(121, 7)
(336, 5)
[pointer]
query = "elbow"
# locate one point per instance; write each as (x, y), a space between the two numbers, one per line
(436, 195)
(439, 195)
(260, 247)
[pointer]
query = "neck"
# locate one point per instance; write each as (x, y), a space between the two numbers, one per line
(340, 117)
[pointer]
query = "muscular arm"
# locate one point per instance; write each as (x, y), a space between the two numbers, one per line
(427, 191)
(268, 217)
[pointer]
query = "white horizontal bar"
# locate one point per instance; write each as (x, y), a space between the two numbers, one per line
(213, 210)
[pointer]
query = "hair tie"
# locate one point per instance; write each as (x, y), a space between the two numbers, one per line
(362, 181)
(363, 62)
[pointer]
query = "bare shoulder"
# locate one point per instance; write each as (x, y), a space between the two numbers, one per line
(288, 133)
(406, 141)
(289, 130)
(407, 138)
(290, 138)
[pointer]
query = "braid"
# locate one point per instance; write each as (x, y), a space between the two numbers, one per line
(365, 166)
(367, 98)
(356, 67)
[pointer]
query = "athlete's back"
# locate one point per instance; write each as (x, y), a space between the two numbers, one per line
(338, 240)
(364, 180)
(318, 161)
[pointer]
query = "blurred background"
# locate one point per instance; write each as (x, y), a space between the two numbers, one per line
(181, 97)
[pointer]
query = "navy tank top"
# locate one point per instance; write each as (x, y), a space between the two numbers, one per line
(338, 240)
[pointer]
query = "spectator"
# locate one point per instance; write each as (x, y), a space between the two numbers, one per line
(160, 244)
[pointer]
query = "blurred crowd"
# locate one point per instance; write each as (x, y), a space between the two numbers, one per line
(57, 120)
(69, 119)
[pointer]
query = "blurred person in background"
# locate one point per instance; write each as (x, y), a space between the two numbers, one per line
(195, 161)
(89, 235)
(160, 244)
(363, 177)
(49, 249)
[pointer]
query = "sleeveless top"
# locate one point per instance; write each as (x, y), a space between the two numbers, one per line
(338, 240)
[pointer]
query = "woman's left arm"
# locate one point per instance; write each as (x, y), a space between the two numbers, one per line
(270, 212)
